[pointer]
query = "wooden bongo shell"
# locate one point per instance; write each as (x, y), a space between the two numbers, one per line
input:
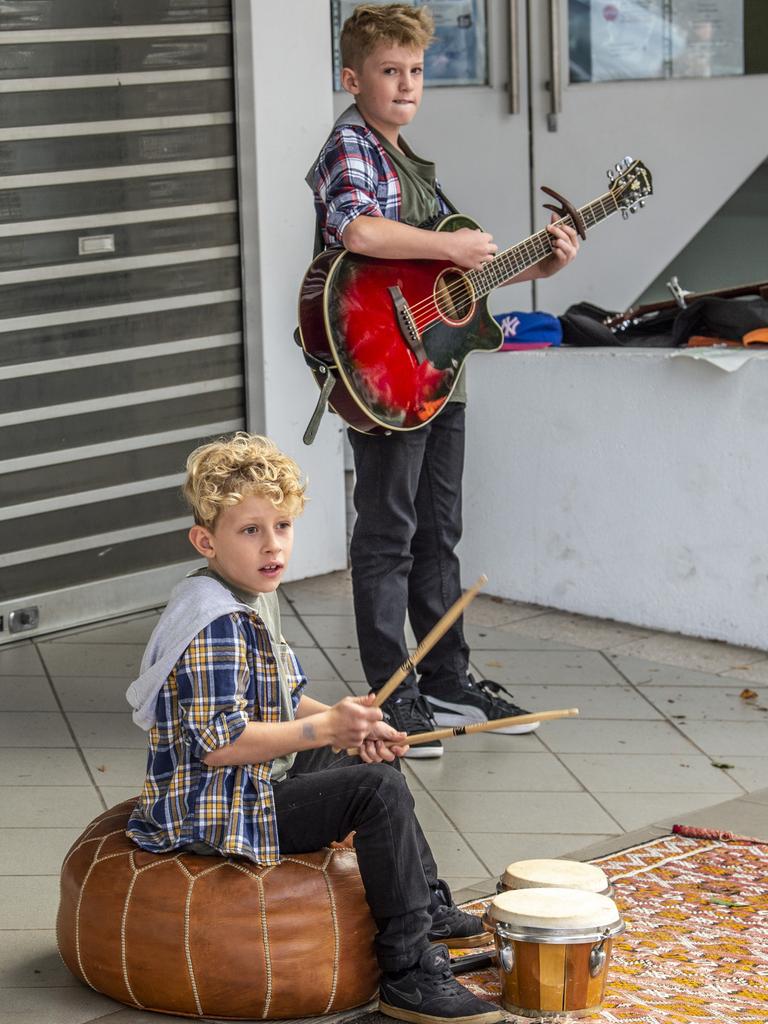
(553, 979)
(545, 964)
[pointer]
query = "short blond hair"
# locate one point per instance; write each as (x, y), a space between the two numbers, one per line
(224, 472)
(371, 24)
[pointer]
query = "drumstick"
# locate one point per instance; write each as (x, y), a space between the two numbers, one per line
(498, 723)
(490, 726)
(438, 630)
(441, 627)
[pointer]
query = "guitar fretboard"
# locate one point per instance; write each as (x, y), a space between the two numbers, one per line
(533, 250)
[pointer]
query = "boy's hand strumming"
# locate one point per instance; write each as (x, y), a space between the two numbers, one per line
(471, 248)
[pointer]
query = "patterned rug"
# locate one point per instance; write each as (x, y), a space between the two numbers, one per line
(696, 946)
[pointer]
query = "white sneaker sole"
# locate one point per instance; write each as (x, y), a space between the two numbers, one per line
(451, 715)
(418, 753)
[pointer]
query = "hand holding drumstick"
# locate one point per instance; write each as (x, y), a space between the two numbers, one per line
(357, 724)
(429, 641)
(378, 743)
(465, 730)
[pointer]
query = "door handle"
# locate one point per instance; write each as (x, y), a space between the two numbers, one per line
(555, 77)
(513, 59)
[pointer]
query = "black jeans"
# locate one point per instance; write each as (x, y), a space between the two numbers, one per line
(408, 502)
(327, 797)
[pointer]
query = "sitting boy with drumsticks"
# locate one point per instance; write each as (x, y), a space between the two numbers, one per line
(232, 732)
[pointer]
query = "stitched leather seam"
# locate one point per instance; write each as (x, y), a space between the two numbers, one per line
(123, 924)
(188, 951)
(78, 953)
(93, 839)
(267, 948)
(336, 936)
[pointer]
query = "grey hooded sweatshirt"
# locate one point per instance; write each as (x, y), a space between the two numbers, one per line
(194, 604)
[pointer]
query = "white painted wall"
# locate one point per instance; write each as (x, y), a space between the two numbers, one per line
(284, 114)
(622, 483)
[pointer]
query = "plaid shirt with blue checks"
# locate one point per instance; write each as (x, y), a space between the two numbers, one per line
(353, 177)
(226, 678)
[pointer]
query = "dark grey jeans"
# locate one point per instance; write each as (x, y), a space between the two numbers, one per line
(325, 798)
(408, 502)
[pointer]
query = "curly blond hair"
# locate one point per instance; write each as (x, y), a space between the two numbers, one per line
(224, 472)
(371, 24)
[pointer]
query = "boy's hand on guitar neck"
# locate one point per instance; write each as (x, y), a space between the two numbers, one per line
(565, 246)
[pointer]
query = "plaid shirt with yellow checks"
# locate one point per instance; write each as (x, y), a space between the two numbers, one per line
(227, 677)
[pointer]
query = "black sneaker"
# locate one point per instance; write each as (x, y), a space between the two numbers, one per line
(411, 715)
(452, 926)
(429, 994)
(477, 701)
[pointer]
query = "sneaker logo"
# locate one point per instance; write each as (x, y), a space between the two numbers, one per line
(412, 997)
(440, 929)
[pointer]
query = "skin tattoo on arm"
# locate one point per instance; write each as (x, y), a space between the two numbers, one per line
(308, 731)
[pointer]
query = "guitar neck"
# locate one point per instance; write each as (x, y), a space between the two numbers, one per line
(533, 250)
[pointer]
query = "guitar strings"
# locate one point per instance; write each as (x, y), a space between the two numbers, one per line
(475, 276)
(453, 292)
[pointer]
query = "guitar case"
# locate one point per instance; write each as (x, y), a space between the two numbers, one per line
(727, 319)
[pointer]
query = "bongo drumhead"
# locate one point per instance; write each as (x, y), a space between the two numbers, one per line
(548, 910)
(560, 874)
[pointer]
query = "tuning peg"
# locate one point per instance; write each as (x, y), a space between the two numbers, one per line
(611, 174)
(642, 203)
(627, 162)
(619, 168)
(633, 209)
(624, 215)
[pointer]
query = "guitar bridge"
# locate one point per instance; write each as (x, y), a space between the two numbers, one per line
(406, 324)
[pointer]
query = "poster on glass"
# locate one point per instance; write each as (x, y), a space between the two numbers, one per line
(458, 55)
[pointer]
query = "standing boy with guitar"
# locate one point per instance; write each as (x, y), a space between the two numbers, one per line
(371, 194)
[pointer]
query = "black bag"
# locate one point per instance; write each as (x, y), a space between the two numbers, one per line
(583, 325)
(729, 319)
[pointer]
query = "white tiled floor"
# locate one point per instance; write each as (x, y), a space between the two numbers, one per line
(664, 734)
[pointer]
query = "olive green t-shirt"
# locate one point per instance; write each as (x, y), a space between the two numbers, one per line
(267, 608)
(418, 204)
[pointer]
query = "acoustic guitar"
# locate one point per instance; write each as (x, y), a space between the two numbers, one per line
(386, 339)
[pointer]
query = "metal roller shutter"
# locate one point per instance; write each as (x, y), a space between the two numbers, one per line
(120, 316)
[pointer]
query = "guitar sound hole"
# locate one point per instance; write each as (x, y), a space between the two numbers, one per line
(454, 297)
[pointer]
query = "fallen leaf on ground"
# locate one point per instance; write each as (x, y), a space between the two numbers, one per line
(748, 694)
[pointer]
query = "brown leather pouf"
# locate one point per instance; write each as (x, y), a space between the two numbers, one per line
(215, 936)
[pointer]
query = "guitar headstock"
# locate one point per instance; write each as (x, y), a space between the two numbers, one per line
(631, 182)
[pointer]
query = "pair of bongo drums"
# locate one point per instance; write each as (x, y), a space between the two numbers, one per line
(553, 923)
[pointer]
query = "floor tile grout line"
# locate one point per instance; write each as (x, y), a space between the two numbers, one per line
(452, 823)
(582, 786)
(71, 731)
(669, 720)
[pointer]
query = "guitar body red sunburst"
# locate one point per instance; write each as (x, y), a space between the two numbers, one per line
(386, 339)
(395, 362)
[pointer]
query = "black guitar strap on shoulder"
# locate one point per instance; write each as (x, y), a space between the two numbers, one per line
(319, 244)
